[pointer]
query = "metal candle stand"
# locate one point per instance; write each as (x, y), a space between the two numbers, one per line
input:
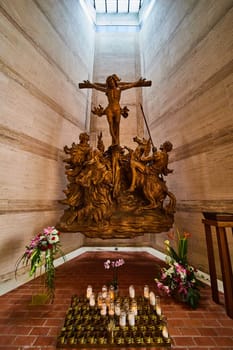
(85, 326)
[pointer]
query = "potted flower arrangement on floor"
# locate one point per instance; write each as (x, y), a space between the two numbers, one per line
(179, 278)
(40, 253)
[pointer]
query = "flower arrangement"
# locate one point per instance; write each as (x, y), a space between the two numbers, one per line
(179, 278)
(114, 264)
(41, 252)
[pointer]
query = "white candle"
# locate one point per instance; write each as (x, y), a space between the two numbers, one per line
(146, 292)
(152, 298)
(117, 309)
(131, 292)
(92, 299)
(165, 332)
(131, 318)
(103, 310)
(104, 291)
(158, 310)
(111, 309)
(89, 291)
(122, 320)
(111, 292)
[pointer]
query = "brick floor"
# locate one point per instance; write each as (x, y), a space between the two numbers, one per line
(28, 327)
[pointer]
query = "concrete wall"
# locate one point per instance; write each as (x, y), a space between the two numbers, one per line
(117, 51)
(187, 52)
(184, 47)
(43, 58)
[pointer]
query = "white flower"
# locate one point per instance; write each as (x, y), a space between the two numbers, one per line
(52, 239)
(170, 271)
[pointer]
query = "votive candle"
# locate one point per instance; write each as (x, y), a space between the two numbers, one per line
(89, 291)
(122, 320)
(118, 309)
(165, 332)
(104, 291)
(131, 291)
(131, 318)
(158, 310)
(152, 298)
(146, 292)
(92, 299)
(111, 308)
(111, 292)
(103, 311)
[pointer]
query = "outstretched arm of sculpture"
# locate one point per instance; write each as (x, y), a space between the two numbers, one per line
(138, 83)
(88, 85)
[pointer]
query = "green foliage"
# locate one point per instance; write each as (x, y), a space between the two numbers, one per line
(179, 278)
(41, 252)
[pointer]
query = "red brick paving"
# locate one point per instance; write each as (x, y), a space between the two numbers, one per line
(29, 327)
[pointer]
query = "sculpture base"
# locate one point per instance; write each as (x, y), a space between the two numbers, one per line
(121, 224)
(105, 200)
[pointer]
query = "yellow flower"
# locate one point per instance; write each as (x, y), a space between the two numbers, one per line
(167, 242)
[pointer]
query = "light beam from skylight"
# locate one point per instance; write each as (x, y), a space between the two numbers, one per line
(122, 6)
(100, 6)
(112, 6)
(134, 5)
(116, 6)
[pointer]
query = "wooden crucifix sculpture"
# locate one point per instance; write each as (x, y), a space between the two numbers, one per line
(113, 111)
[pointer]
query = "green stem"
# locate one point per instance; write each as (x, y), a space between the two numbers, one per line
(50, 273)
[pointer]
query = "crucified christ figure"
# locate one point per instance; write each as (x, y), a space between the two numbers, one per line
(113, 111)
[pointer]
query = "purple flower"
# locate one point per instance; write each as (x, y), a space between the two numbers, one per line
(113, 263)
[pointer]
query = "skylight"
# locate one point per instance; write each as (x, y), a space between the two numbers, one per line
(117, 6)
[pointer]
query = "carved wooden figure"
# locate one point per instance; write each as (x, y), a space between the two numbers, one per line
(118, 192)
(113, 88)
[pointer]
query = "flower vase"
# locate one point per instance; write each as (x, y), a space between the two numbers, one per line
(115, 283)
(40, 255)
(179, 297)
(40, 294)
(116, 291)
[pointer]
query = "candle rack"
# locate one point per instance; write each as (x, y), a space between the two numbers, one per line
(84, 326)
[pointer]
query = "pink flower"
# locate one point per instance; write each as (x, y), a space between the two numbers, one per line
(114, 263)
(119, 262)
(107, 264)
(166, 290)
(163, 275)
(48, 230)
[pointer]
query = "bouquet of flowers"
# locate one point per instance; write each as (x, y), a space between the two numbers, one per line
(114, 264)
(41, 252)
(179, 278)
